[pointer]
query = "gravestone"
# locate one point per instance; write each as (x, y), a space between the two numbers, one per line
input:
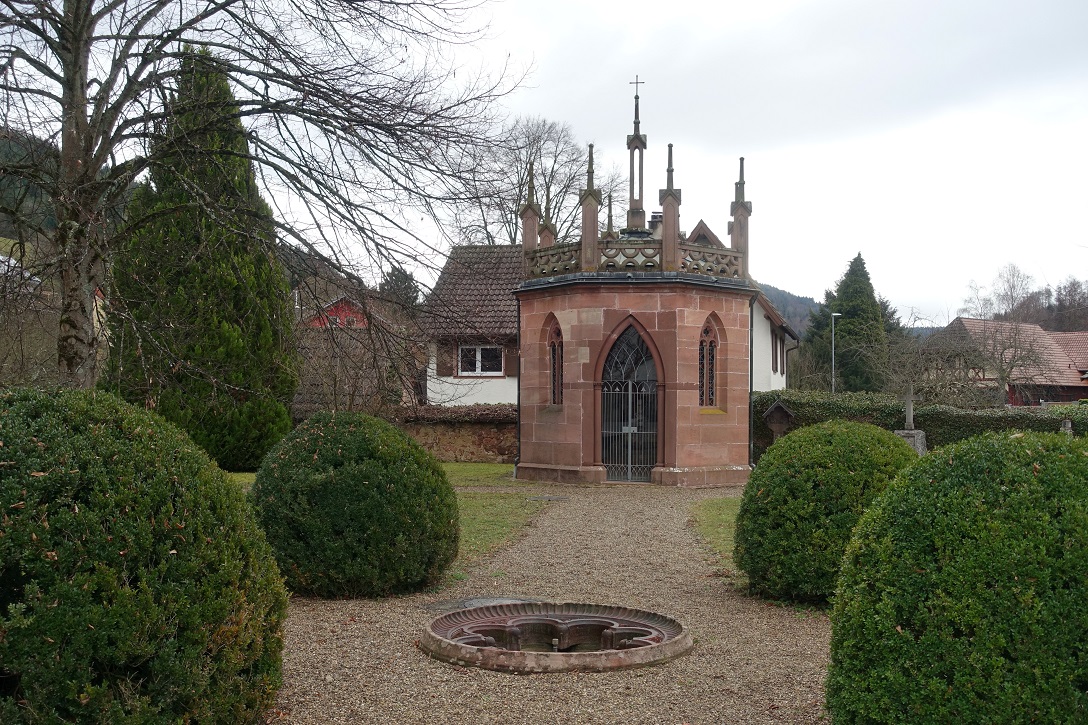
(916, 438)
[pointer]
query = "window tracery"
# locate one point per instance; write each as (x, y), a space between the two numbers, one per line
(555, 360)
(708, 348)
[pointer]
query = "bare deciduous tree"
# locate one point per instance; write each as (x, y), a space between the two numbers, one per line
(559, 162)
(355, 117)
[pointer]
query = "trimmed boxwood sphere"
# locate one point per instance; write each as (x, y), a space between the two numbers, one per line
(964, 591)
(354, 507)
(802, 501)
(135, 584)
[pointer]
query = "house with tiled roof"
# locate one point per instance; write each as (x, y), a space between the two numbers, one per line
(1022, 362)
(471, 320)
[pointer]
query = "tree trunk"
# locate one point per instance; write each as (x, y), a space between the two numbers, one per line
(76, 207)
(78, 341)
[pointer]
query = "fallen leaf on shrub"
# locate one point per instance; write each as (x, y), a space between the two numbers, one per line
(899, 628)
(51, 555)
(36, 473)
(84, 699)
(21, 504)
(173, 551)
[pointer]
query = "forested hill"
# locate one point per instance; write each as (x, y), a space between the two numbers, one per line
(16, 150)
(793, 308)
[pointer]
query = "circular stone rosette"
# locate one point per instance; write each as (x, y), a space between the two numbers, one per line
(554, 637)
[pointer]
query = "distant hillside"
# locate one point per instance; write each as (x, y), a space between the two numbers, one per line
(18, 151)
(793, 308)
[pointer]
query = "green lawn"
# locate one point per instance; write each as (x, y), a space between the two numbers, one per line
(715, 519)
(488, 519)
(245, 480)
(481, 474)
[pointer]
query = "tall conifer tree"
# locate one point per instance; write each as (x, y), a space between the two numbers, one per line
(202, 321)
(861, 345)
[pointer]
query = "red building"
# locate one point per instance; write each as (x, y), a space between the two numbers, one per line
(342, 312)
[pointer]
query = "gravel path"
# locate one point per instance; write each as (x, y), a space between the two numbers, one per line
(355, 661)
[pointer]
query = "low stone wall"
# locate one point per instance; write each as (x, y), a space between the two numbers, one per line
(466, 442)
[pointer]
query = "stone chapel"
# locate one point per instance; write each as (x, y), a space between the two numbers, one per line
(639, 347)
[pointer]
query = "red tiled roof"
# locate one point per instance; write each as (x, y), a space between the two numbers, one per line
(474, 295)
(1051, 361)
(1075, 345)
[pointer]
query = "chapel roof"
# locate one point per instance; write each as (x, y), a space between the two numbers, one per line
(474, 295)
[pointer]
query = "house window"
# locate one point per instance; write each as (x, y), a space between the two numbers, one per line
(774, 351)
(708, 348)
(555, 358)
(480, 360)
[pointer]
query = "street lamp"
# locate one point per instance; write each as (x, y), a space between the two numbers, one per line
(833, 316)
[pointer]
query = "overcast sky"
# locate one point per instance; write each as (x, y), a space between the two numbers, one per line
(942, 139)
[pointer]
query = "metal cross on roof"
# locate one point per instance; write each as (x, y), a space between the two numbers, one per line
(636, 83)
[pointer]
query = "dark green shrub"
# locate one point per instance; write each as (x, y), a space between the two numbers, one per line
(802, 501)
(964, 591)
(135, 584)
(354, 507)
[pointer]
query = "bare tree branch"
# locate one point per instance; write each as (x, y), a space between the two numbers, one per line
(359, 121)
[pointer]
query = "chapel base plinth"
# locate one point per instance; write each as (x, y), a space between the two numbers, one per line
(559, 474)
(702, 476)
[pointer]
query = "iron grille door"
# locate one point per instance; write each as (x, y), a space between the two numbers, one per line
(629, 422)
(629, 410)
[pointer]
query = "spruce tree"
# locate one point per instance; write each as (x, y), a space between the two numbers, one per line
(861, 345)
(202, 322)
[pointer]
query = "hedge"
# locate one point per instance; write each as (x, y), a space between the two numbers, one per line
(963, 596)
(803, 500)
(353, 507)
(135, 584)
(942, 424)
(479, 413)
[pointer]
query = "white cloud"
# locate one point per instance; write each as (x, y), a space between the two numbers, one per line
(942, 139)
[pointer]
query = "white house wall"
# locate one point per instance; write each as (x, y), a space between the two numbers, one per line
(762, 376)
(467, 390)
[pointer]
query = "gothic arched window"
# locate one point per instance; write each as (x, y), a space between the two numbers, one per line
(708, 350)
(555, 360)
